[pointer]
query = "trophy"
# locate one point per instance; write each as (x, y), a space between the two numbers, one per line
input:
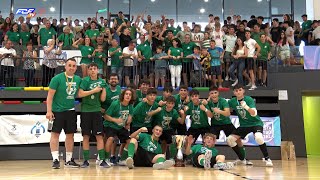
(179, 139)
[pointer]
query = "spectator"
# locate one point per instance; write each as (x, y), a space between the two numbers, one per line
(187, 47)
(14, 36)
(34, 36)
(217, 35)
(100, 60)
(119, 20)
(306, 25)
(172, 28)
(315, 40)
(7, 55)
(175, 54)
(262, 60)
(215, 53)
(60, 27)
(206, 40)
(24, 35)
(230, 41)
(28, 18)
(29, 58)
(124, 36)
(86, 52)
(181, 34)
(92, 33)
(115, 52)
(161, 65)
(287, 18)
(284, 49)
(45, 34)
(130, 54)
(67, 38)
(145, 53)
(197, 35)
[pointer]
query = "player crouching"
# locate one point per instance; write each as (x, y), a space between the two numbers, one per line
(206, 155)
(147, 152)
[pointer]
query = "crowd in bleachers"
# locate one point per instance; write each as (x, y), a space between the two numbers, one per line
(236, 50)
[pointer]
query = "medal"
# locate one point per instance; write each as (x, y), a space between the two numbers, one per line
(92, 96)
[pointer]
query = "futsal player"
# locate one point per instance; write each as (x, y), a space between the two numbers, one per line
(62, 92)
(245, 108)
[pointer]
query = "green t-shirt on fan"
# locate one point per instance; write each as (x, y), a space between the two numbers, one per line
(111, 96)
(139, 97)
(146, 143)
(25, 37)
(175, 52)
(13, 36)
(66, 92)
(245, 119)
(99, 61)
(219, 119)
(85, 52)
(117, 110)
(198, 118)
(187, 50)
(92, 102)
(92, 33)
(45, 35)
(165, 119)
(146, 51)
(140, 118)
(265, 49)
(115, 58)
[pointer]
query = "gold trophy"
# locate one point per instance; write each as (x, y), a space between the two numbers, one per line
(179, 139)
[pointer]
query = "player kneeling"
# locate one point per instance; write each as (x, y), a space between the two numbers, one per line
(147, 152)
(206, 155)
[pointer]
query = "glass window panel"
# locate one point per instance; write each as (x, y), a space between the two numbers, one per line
(5, 8)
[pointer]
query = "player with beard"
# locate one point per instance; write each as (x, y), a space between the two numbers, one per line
(143, 113)
(113, 91)
(245, 108)
(62, 92)
(118, 119)
(144, 150)
(182, 99)
(206, 155)
(221, 121)
(92, 95)
(165, 118)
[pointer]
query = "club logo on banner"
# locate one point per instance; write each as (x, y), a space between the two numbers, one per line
(38, 129)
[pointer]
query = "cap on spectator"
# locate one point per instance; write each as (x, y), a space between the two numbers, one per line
(304, 15)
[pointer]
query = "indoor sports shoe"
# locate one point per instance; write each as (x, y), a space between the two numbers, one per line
(113, 160)
(253, 87)
(223, 166)
(129, 163)
(246, 162)
(122, 163)
(158, 166)
(56, 164)
(168, 164)
(249, 84)
(85, 164)
(72, 164)
(207, 160)
(104, 164)
(235, 83)
(268, 162)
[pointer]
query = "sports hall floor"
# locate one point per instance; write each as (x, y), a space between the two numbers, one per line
(302, 168)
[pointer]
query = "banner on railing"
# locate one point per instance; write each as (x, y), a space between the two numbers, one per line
(65, 54)
(312, 57)
(28, 129)
(271, 132)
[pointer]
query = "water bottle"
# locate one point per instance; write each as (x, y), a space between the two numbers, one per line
(50, 125)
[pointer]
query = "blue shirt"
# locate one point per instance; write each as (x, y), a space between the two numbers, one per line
(196, 62)
(160, 63)
(215, 56)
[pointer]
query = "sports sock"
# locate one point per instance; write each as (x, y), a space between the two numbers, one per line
(131, 147)
(173, 150)
(201, 162)
(237, 150)
(264, 151)
(107, 155)
(243, 152)
(161, 159)
(55, 155)
(124, 154)
(86, 154)
(68, 156)
(101, 154)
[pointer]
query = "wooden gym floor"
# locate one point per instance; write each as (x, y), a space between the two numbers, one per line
(302, 168)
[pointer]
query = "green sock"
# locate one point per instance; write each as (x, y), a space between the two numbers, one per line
(243, 151)
(131, 147)
(86, 155)
(101, 154)
(161, 159)
(202, 162)
(107, 155)
(124, 154)
(173, 150)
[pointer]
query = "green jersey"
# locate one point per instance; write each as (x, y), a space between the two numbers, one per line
(265, 49)
(245, 119)
(199, 148)
(13, 36)
(46, 34)
(25, 37)
(117, 110)
(179, 103)
(199, 118)
(165, 119)
(159, 98)
(139, 97)
(99, 61)
(256, 36)
(66, 91)
(115, 60)
(92, 33)
(85, 52)
(145, 50)
(133, 32)
(187, 50)
(219, 119)
(175, 52)
(111, 96)
(92, 102)
(66, 39)
(167, 44)
(146, 142)
(306, 25)
(174, 30)
(140, 117)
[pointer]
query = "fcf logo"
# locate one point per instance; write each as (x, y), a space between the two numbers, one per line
(25, 11)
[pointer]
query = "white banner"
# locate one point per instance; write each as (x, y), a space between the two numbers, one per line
(28, 129)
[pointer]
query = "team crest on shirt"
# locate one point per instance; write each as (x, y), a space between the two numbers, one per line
(203, 150)
(94, 85)
(216, 115)
(166, 121)
(242, 112)
(196, 116)
(151, 147)
(71, 89)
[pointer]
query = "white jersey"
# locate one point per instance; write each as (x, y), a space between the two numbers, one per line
(197, 37)
(251, 45)
(7, 61)
(230, 42)
(218, 37)
(129, 62)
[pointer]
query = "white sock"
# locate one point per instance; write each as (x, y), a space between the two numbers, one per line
(55, 155)
(68, 156)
